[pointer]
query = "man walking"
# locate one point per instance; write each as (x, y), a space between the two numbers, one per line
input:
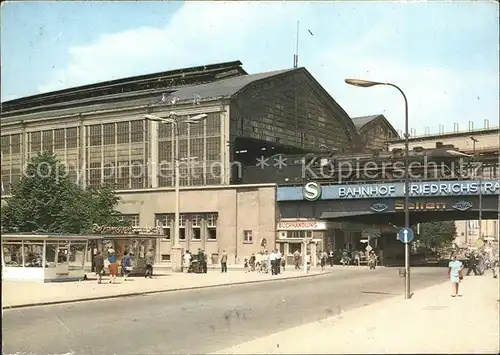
(296, 259)
(223, 262)
(201, 261)
(331, 257)
(472, 264)
(187, 261)
(278, 262)
(149, 259)
(99, 266)
(324, 258)
(272, 258)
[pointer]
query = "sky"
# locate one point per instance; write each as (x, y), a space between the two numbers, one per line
(444, 55)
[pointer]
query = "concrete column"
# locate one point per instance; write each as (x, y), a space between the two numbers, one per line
(189, 233)
(24, 148)
(82, 178)
(172, 231)
(204, 233)
(153, 153)
(225, 148)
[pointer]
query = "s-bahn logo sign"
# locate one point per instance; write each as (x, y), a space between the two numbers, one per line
(462, 205)
(312, 191)
(379, 207)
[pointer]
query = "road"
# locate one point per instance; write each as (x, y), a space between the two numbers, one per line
(199, 321)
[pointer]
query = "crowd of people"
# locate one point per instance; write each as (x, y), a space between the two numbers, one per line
(347, 257)
(264, 262)
(111, 263)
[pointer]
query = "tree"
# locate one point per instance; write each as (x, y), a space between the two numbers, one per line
(437, 234)
(46, 200)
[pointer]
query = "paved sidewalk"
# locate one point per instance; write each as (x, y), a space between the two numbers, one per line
(430, 322)
(23, 294)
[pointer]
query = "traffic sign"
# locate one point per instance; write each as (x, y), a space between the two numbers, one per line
(405, 235)
(368, 248)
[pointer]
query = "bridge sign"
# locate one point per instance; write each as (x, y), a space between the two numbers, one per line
(405, 235)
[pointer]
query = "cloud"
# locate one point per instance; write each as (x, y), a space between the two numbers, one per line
(262, 36)
(198, 33)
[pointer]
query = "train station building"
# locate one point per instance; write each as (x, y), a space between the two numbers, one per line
(100, 133)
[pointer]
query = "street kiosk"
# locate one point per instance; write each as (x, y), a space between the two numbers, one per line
(45, 257)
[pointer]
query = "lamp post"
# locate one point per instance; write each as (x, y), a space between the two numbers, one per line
(366, 84)
(474, 141)
(175, 119)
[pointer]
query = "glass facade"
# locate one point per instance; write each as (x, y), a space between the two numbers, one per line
(199, 152)
(11, 146)
(117, 154)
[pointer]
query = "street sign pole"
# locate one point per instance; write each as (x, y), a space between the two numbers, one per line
(405, 235)
(407, 197)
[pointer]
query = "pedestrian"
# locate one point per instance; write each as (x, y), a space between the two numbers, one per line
(345, 258)
(272, 259)
(265, 262)
(455, 274)
(252, 262)
(99, 266)
(223, 262)
(296, 259)
(356, 257)
(113, 266)
(472, 264)
(149, 259)
(202, 261)
(187, 261)
(324, 258)
(126, 265)
(331, 258)
(372, 260)
(246, 265)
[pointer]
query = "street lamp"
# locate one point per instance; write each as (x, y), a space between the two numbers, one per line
(175, 119)
(474, 141)
(367, 84)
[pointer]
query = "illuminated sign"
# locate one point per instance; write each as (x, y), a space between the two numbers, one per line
(462, 205)
(379, 207)
(312, 191)
(420, 206)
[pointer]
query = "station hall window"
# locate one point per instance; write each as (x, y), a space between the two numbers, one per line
(163, 220)
(212, 226)
(247, 236)
(196, 225)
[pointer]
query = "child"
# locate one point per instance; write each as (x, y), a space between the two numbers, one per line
(246, 265)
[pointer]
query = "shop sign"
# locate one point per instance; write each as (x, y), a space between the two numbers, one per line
(97, 229)
(301, 225)
(420, 206)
